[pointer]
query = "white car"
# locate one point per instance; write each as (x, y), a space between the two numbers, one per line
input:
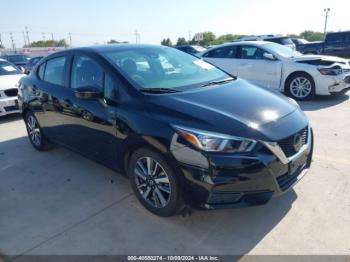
(9, 77)
(275, 66)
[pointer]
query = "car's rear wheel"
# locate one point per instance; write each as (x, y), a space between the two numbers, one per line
(154, 182)
(35, 134)
(301, 86)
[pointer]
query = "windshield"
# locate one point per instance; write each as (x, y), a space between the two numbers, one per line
(18, 58)
(163, 67)
(281, 50)
(7, 68)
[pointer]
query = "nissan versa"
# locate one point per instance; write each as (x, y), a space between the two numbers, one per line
(183, 131)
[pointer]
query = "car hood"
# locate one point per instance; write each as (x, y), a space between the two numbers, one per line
(237, 108)
(9, 81)
(320, 57)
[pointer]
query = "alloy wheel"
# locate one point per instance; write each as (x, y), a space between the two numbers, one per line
(300, 87)
(152, 182)
(34, 130)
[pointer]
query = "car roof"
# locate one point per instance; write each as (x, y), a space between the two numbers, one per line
(111, 47)
(102, 48)
(253, 43)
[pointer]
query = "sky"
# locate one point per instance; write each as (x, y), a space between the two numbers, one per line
(97, 21)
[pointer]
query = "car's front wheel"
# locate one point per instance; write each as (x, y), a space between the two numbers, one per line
(300, 86)
(154, 182)
(35, 134)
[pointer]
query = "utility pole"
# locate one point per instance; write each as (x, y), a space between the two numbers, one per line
(12, 42)
(70, 39)
(27, 33)
(1, 44)
(44, 38)
(137, 36)
(24, 39)
(52, 39)
(326, 10)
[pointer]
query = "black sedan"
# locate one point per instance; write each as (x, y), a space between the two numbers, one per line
(183, 131)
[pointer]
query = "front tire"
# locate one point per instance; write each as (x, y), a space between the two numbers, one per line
(300, 86)
(154, 182)
(35, 134)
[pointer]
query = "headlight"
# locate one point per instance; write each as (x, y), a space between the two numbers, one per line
(214, 142)
(331, 71)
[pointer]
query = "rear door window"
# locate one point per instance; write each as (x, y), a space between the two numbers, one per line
(223, 52)
(250, 52)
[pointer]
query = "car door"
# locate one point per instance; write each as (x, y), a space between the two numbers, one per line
(224, 58)
(254, 67)
(90, 124)
(45, 92)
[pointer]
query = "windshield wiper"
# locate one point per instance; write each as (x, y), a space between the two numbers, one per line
(158, 90)
(218, 82)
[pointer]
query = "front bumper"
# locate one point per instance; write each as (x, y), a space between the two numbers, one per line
(8, 105)
(326, 85)
(215, 181)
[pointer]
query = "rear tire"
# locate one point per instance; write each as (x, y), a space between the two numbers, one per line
(35, 134)
(300, 86)
(154, 182)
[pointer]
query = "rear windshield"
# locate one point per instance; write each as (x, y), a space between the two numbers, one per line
(7, 68)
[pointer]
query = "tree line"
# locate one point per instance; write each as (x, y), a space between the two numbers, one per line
(209, 38)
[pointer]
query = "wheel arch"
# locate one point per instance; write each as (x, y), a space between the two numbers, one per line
(25, 110)
(292, 74)
(135, 142)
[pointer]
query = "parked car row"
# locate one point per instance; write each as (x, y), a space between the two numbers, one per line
(275, 66)
(12, 68)
(9, 77)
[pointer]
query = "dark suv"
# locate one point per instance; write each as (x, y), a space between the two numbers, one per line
(188, 136)
(335, 44)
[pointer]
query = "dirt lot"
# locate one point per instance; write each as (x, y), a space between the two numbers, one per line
(58, 202)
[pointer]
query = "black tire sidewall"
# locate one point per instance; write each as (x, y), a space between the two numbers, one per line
(175, 198)
(289, 81)
(43, 145)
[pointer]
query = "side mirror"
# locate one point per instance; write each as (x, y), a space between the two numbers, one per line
(269, 56)
(88, 93)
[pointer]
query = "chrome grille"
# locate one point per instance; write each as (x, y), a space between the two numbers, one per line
(11, 92)
(287, 144)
